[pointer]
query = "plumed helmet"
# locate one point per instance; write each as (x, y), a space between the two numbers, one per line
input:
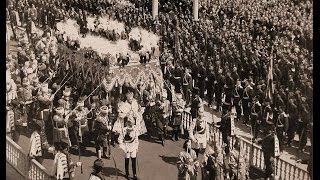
(104, 109)
(59, 110)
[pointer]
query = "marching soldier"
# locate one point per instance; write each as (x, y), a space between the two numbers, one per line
(177, 110)
(165, 112)
(25, 95)
(44, 111)
(103, 129)
(35, 150)
(80, 125)
(219, 88)
(188, 163)
(237, 97)
(199, 132)
(63, 167)
(246, 100)
(60, 130)
(256, 114)
(228, 88)
(129, 143)
(210, 85)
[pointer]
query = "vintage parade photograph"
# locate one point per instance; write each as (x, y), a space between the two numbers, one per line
(159, 90)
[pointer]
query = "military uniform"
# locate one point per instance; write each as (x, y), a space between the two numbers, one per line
(268, 149)
(25, 95)
(36, 149)
(60, 130)
(293, 117)
(256, 114)
(165, 109)
(103, 127)
(237, 99)
(63, 167)
(44, 111)
(177, 111)
(280, 127)
(199, 132)
(246, 100)
(129, 143)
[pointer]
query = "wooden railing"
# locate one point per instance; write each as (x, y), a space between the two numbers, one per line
(284, 170)
(18, 159)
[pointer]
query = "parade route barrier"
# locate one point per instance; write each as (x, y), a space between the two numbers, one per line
(284, 170)
(18, 159)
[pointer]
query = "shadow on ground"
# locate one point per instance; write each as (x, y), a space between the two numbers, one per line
(169, 160)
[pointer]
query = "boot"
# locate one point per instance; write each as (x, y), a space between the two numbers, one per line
(173, 134)
(126, 163)
(177, 135)
(134, 168)
(105, 152)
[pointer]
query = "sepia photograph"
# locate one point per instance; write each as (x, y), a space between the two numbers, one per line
(159, 89)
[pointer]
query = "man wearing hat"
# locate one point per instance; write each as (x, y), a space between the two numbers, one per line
(268, 149)
(246, 100)
(237, 98)
(129, 142)
(131, 107)
(199, 132)
(177, 110)
(25, 95)
(219, 88)
(293, 117)
(80, 124)
(256, 115)
(103, 127)
(97, 174)
(165, 109)
(60, 130)
(196, 103)
(63, 167)
(44, 110)
(187, 86)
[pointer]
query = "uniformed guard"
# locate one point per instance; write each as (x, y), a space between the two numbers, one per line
(268, 149)
(63, 167)
(237, 99)
(246, 100)
(281, 126)
(60, 130)
(225, 128)
(165, 108)
(45, 99)
(196, 103)
(199, 132)
(267, 114)
(256, 114)
(25, 95)
(80, 124)
(129, 143)
(187, 86)
(36, 149)
(293, 118)
(103, 127)
(177, 110)
(188, 163)
(219, 88)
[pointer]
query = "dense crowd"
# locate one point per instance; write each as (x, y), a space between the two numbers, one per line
(224, 58)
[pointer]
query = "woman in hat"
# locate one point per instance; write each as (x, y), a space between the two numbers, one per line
(129, 142)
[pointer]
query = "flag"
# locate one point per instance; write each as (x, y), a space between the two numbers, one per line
(270, 88)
